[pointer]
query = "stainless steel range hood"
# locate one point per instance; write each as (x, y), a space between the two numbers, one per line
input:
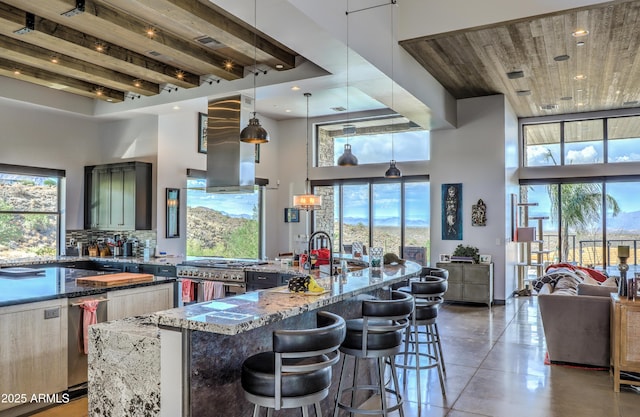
(230, 162)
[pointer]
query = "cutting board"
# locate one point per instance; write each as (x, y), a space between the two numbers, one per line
(107, 280)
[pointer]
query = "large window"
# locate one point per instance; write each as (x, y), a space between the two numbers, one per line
(30, 212)
(373, 141)
(582, 141)
(587, 220)
(224, 225)
(392, 214)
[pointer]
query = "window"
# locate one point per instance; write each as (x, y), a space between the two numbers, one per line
(390, 214)
(222, 225)
(30, 212)
(592, 141)
(542, 144)
(584, 142)
(624, 139)
(372, 140)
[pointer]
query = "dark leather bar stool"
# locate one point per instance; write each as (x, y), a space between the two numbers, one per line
(427, 271)
(423, 331)
(297, 373)
(378, 336)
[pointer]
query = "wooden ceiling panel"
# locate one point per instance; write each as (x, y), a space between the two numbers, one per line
(475, 62)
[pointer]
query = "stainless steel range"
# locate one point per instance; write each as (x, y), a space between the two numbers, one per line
(230, 272)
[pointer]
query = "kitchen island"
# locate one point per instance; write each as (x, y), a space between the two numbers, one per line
(40, 321)
(187, 361)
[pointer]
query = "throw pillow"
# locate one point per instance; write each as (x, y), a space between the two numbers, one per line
(552, 279)
(610, 282)
(567, 282)
(587, 279)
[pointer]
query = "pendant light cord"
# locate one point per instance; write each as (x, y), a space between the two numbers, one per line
(307, 185)
(393, 121)
(255, 54)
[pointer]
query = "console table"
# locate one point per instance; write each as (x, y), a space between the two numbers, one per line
(625, 339)
(469, 282)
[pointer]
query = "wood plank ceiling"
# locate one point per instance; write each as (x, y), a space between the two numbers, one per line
(114, 49)
(560, 72)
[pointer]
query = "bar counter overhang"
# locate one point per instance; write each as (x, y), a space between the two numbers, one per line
(187, 361)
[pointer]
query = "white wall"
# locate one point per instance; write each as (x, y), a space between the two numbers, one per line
(46, 139)
(474, 155)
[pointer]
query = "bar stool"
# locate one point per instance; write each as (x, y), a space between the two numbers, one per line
(297, 373)
(427, 296)
(377, 335)
(427, 271)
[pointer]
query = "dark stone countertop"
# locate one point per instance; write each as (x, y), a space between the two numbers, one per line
(51, 282)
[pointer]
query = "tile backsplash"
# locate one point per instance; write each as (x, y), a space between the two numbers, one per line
(87, 236)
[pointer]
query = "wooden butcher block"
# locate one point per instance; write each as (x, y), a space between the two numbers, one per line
(121, 278)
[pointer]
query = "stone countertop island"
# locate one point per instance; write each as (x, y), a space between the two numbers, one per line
(187, 361)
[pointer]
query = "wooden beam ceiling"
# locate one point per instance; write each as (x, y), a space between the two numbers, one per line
(104, 45)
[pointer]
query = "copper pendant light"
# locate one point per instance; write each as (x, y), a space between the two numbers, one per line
(307, 201)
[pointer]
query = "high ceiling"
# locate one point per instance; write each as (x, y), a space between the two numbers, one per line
(114, 49)
(193, 42)
(539, 63)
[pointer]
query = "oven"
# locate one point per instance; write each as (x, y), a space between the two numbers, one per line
(229, 273)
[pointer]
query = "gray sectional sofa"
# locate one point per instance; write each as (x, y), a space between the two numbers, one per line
(576, 322)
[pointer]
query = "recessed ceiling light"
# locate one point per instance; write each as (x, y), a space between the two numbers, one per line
(580, 104)
(287, 111)
(176, 107)
(54, 59)
(523, 92)
(580, 32)
(566, 98)
(151, 32)
(580, 77)
(561, 58)
(109, 100)
(580, 43)
(279, 66)
(228, 65)
(515, 74)
(16, 72)
(295, 88)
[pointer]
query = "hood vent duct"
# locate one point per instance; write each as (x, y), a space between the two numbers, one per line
(230, 162)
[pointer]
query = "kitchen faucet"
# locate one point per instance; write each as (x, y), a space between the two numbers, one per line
(313, 235)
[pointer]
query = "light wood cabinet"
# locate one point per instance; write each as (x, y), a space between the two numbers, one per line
(625, 339)
(33, 351)
(118, 196)
(472, 283)
(140, 300)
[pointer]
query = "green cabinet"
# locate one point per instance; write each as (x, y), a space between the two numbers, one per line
(118, 196)
(471, 283)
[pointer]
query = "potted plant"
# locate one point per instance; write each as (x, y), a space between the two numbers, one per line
(466, 253)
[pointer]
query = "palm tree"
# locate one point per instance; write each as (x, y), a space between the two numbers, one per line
(580, 207)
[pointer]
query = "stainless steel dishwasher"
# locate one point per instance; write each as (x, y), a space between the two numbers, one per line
(77, 365)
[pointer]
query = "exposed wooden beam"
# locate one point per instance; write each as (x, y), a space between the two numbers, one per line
(67, 41)
(129, 31)
(37, 57)
(49, 79)
(192, 18)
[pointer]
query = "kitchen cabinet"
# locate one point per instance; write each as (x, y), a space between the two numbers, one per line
(469, 282)
(140, 300)
(33, 351)
(158, 270)
(258, 280)
(625, 340)
(118, 196)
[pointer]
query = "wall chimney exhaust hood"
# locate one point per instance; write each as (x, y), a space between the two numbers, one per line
(230, 162)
